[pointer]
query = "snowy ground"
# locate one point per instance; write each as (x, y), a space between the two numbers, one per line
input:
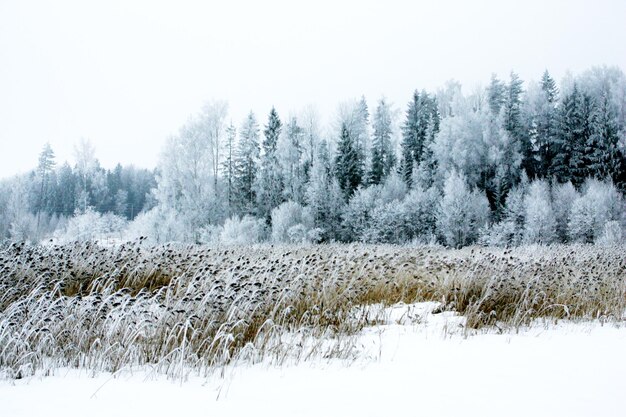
(415, 364)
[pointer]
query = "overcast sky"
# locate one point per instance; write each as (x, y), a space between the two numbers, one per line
(128, 74)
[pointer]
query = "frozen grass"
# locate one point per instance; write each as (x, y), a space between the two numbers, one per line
(412, 363)
(181, 308)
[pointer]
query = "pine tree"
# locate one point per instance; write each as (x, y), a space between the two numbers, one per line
(383, 158)
(269, 183)
(245, 165)
(348, 168)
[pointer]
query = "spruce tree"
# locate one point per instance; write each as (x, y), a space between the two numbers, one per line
(420, 126)
(269, 183)
(383, 158)
(245, 166)
(348, 169)
(496, 95)
(514, 125)
(45, 169)
(546, 127)
(574, 132)
(605, 157)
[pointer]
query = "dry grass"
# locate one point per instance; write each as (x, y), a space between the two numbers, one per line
(181, 307)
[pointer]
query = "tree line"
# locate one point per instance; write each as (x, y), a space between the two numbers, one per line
(506, 164)
(35, 205)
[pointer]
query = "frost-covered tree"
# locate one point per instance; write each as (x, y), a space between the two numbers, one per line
(462, 212)
(412, 219)
(212, 120)
(496, 93)
(420, 126)
(245, 163)
(45, 172)
(186, 182)
(353, 116)
(540, 222)
(509, 231)
(228, 166)
(357, 213)
(293, 160)
(575, 128)
(22, 223)
(288, 220)
(348, 167)
(246, 230)
(460, 145)
(542, 120)
(86, 166)
(606, 159)
(613, 234)
(269, 183)
(382, 154)
(599, 203)
(324, 196)
(563, 197)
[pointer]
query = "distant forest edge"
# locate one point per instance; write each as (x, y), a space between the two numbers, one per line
(509, 164)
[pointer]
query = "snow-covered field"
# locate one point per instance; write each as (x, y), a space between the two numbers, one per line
(415, 363)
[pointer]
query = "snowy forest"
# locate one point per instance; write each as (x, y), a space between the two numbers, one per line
(507, 164)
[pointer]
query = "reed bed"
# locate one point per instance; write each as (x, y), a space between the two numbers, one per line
(184, 308)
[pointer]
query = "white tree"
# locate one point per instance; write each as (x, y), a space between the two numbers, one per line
(86, 165)
(540, 222)
(212, 121)
(600, 203)
(324, 196)
(22, 223)
(246, 230)
(188, 168)
(563, 197)
(462, 212)
(285, 218)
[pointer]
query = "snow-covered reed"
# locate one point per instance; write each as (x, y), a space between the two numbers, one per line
(183, 308)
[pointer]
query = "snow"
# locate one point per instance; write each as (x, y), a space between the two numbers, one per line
(413, 363)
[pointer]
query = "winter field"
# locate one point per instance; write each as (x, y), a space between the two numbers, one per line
(134, 329)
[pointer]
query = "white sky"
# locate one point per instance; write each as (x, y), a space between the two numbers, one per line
(128, 74)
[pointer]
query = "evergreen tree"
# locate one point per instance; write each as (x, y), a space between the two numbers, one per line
(574, 134)
(496, 95)
(513, 124)
(45, 170)
(269, 183)
(66, 191)
(245, 165)
(422, 121)
(323, 195)
(348, 168)
(605, 158)
(383, 157)
(545, 129)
